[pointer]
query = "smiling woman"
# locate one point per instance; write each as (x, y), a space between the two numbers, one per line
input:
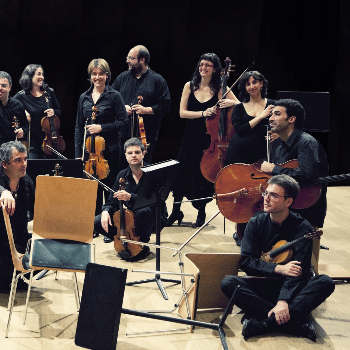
(101, 113)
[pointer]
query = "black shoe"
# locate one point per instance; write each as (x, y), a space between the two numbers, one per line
(200, 218)
(247, 316)
(237, 239)
(252, 328)
(307, 330)
(174, 216)
(95, 234)
(142, 255)
(107, 239)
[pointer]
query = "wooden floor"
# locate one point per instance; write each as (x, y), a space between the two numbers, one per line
(52, 317)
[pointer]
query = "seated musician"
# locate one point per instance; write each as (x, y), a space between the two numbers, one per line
(283, 301)
(145, 217)
(17, 196)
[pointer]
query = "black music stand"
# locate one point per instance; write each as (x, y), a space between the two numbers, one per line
(154, 189)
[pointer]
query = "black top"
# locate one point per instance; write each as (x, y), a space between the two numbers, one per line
(154, 90)
(36, 106)
(24, 203)
(261, 234)
(247, 145)
(13, 108)
(313, 163)
(111, 116)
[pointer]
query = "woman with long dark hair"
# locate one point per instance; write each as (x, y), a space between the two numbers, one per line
(36, 106)
(199, 97)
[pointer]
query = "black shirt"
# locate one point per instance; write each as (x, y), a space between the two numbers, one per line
(261, 234)
(13, 108)
(154, 90)
(313, 163)
(36, 106)
(111, 116)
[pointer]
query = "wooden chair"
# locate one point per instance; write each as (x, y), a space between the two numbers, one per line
(64, 214)
(205, 293)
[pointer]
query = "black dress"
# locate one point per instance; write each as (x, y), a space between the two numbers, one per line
(247, 145)
(189, 181)
(36, 106)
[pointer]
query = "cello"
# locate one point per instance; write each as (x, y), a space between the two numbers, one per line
(51, 125)
(124, 221)
(95, 145)
(221, 130)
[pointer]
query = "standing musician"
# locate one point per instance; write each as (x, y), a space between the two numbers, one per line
(140, 80)
(283, 300)
(36, 107)
(10, 108)
(287, 120)
(198, 98)
(111, 121)
(17, 196)
(145, 217)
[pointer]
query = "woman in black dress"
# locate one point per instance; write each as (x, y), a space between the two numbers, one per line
(33, 99)
(198, 99)
(111, 122)
(250, 120)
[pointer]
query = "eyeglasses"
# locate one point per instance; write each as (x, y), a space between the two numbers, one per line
(131, 58)
(206, 65)
(4, 86)
(272, 195)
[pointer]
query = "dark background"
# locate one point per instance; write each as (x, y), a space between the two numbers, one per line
(297, 45)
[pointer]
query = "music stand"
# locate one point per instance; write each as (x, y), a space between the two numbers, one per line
(154, 189)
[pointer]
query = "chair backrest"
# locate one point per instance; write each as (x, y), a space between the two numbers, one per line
(16, 257)
(64, 208)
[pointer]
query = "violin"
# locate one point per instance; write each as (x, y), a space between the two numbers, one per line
(221, 130)
(95, 145)
(281, 253)
(239, 188)
(140, 129)
(51, 126)
(124, 221)
(15, 124)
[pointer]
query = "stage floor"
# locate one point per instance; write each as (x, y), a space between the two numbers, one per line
(52, 317)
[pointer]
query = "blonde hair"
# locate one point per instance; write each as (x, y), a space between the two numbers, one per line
(103, 65)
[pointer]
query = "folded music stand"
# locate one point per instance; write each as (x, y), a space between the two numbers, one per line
(154, 189)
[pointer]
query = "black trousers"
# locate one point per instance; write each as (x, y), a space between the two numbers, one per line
(257, 296)
(145, 224)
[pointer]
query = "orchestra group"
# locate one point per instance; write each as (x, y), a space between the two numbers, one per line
(116, 132)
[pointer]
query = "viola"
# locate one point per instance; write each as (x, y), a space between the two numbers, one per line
(51, 126)
(15, 124)
(124, 220)
(96, 164)
(221, 130)
(281, 253)
(239, 188)
(140, 129)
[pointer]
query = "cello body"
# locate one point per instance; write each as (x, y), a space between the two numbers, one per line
(239, 188)
(221, 131)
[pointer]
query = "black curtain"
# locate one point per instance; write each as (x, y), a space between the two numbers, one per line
(298, 46)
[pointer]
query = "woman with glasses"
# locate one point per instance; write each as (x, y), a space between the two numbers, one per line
(101, 112)
(39, 100)
(199, 97)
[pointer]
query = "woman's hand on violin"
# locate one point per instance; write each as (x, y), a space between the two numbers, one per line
(105, 220)
(226, 103)
(266, 113)
(122, 195)
(209, 112)
(19, 133)
(49, 112)
(94, 128)
(139, 109)
(128, 109)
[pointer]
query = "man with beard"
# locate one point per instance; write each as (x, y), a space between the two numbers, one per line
(140, 80)
(10, 109)
(17, 196)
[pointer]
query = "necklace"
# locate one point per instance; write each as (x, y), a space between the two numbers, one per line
(14, 193)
